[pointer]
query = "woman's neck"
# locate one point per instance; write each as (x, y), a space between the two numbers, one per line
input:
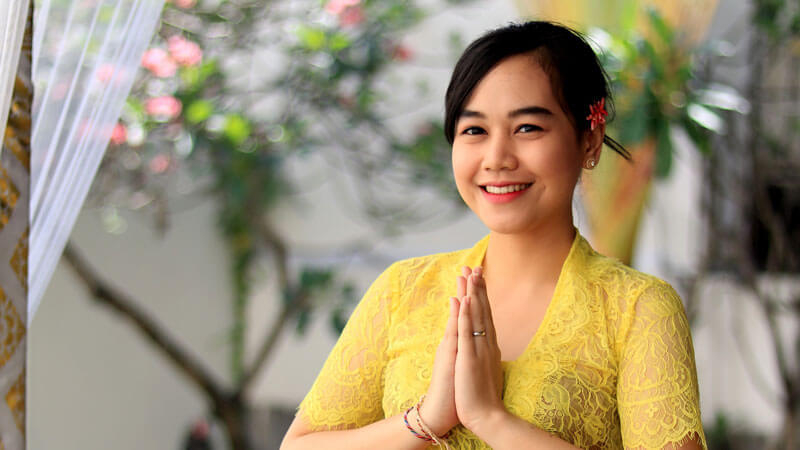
(527, 260)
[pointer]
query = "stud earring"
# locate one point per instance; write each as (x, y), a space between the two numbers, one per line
(590, 164)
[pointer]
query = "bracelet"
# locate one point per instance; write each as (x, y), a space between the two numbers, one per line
(437, 440)
(405, 419)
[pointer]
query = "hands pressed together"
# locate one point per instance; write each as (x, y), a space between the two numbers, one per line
(467, 379)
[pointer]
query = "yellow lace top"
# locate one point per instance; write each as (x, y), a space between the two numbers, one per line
(611, 365)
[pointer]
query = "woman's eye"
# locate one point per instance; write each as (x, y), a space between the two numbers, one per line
(472, 131)
(528, 128)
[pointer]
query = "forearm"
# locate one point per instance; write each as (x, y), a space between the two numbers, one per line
(504, 430)
(390, 433)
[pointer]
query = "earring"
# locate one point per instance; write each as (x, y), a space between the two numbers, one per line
(591, 163)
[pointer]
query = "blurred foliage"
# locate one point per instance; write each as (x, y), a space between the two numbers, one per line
(231, 90)
(657, 89)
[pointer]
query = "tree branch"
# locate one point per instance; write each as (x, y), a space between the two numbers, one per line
(290, 306)
(278, 325)
(147, 325)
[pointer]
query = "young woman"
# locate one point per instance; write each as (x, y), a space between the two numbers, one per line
(529, 339)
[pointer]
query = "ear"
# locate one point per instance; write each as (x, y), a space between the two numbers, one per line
(593, 145)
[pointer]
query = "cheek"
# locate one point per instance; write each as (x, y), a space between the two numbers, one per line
(463, 170)
(461, 164)
(561, 167)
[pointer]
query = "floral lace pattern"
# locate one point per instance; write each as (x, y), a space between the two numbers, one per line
(611, 365)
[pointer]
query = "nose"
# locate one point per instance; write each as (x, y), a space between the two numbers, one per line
(500, 154)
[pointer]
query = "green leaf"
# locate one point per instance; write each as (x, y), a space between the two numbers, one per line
(698, 135)
(236, 129)
(706, 118)
(199, 111)
(338, 320)
(338, 42)
(635, 123)
(312, 278)
(661, 27)
(663, 150)
(303, 319)
(195, 76)
(312, 39)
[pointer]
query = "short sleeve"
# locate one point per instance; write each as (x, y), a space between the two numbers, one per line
(348, 391)
(657, 391)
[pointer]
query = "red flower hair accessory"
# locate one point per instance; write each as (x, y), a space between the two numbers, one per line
(597, 114)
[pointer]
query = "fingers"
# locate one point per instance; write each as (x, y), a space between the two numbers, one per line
(461, 281)
(466, 341)
(486, 308)
(476, 310)
(451, 330)
(449, 343)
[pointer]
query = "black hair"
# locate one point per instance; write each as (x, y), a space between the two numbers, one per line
(577, 78)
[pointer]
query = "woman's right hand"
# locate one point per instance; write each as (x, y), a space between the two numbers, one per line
(438, 411)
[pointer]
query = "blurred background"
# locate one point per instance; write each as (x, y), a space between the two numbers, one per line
(274, 156)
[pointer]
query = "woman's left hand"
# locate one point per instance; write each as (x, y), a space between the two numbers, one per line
(478, 372)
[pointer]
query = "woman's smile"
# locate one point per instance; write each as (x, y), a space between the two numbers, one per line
(504, 192)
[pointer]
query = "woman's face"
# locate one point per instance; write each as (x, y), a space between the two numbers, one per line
(516, 155)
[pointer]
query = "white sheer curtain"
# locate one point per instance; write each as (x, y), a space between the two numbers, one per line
(85, 56)
(12, 27)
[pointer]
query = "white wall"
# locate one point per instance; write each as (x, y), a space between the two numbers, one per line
(93, 383)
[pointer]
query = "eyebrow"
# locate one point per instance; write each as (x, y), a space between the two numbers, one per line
(527, 110)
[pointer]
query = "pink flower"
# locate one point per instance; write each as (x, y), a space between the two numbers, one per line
(159, 163)
(119, 134)
(166, 107)
(105, 72)
(184, 51)
(351, 16)
(337, 7)
(185, 4)
(158, 61)
(402, 53)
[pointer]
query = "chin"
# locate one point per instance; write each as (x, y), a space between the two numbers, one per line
(509, 226)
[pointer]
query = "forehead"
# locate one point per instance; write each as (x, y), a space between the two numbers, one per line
(515, 82)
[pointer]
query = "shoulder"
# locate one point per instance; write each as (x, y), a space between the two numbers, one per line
(625, 285)
(632, 299)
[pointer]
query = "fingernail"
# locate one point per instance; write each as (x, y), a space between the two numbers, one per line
(478, 270)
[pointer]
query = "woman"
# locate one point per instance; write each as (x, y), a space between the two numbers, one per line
(546, 344)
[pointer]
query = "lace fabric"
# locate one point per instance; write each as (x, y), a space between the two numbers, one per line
(611, 365)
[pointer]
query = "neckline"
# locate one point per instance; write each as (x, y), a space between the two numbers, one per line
(478, 258)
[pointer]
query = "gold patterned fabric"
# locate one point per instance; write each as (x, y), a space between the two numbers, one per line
(611, 366)
(14, 208)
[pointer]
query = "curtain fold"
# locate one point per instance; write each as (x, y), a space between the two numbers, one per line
(85, 57)
(12, 26)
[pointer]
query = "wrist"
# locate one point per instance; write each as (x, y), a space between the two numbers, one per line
(490, 422)
(436, 425)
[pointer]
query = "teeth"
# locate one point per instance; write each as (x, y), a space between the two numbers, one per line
(506, 189)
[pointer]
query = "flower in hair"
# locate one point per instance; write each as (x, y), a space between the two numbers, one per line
(597, 114)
